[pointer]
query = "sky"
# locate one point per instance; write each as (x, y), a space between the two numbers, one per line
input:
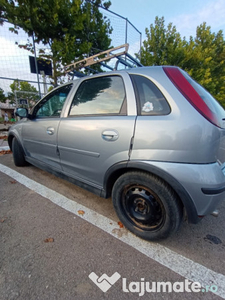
(185, 15)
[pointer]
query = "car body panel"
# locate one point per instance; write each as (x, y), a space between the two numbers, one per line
(175, 140)
(85, 153)
(38, 143)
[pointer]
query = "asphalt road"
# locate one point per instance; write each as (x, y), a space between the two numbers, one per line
(48, 252)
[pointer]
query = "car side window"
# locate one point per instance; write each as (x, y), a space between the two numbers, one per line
(150, 99)
(52, 105)
(100, 96)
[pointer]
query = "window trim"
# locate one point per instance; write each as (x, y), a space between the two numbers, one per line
(138, 100)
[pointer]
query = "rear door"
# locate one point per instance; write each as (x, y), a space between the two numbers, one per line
(97, 131)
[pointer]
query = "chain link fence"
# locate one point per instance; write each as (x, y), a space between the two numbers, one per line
(14, 61)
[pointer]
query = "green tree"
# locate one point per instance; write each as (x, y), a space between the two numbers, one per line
(23, 90)
(2, 96)
(96, 28)
(70, 28)
(163, 45)
(203, 56)
(205, 60)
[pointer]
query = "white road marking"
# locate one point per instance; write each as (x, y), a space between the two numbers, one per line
(166, 257)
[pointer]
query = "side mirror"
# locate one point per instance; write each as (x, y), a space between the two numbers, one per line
(21, 112)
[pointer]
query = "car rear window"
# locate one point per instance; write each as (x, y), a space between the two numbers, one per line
(150, 100)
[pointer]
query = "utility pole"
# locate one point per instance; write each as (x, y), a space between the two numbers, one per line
(36, 66)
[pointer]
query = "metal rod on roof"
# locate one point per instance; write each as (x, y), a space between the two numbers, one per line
(108, 54)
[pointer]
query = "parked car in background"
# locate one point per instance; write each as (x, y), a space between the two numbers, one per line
(151, 138)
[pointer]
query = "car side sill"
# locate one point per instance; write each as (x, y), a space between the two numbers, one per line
(59, 173)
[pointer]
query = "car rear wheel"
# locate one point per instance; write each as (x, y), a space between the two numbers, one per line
(146, 205)
(18, 154)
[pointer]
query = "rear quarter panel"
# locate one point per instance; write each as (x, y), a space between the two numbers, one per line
(183, 136)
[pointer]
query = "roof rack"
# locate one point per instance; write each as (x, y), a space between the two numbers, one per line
(123, 57)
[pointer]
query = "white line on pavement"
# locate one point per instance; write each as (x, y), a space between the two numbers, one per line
(166, 257)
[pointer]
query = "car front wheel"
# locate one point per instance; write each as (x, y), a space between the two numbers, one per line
(146, 205)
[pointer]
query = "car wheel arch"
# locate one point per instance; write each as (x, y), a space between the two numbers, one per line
(12, 136)
(10, 139)
(119, 169)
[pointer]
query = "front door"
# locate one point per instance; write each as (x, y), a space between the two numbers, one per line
(40, 133)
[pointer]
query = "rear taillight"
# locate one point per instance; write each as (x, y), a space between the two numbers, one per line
(190, 93)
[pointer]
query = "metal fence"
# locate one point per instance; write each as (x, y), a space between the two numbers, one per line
(14, 61)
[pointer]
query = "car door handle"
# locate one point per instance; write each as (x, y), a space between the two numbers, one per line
(110, 135)
(50, 130)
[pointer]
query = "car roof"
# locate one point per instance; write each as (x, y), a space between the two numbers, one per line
(138, 70)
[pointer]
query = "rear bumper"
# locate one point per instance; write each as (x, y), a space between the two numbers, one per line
(201, 187)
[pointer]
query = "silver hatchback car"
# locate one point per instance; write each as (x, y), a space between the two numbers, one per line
(151, 138)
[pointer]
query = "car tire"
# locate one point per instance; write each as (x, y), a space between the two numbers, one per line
(18, 154)
(146, 205)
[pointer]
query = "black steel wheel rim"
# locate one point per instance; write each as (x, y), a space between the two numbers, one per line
(143, 208)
